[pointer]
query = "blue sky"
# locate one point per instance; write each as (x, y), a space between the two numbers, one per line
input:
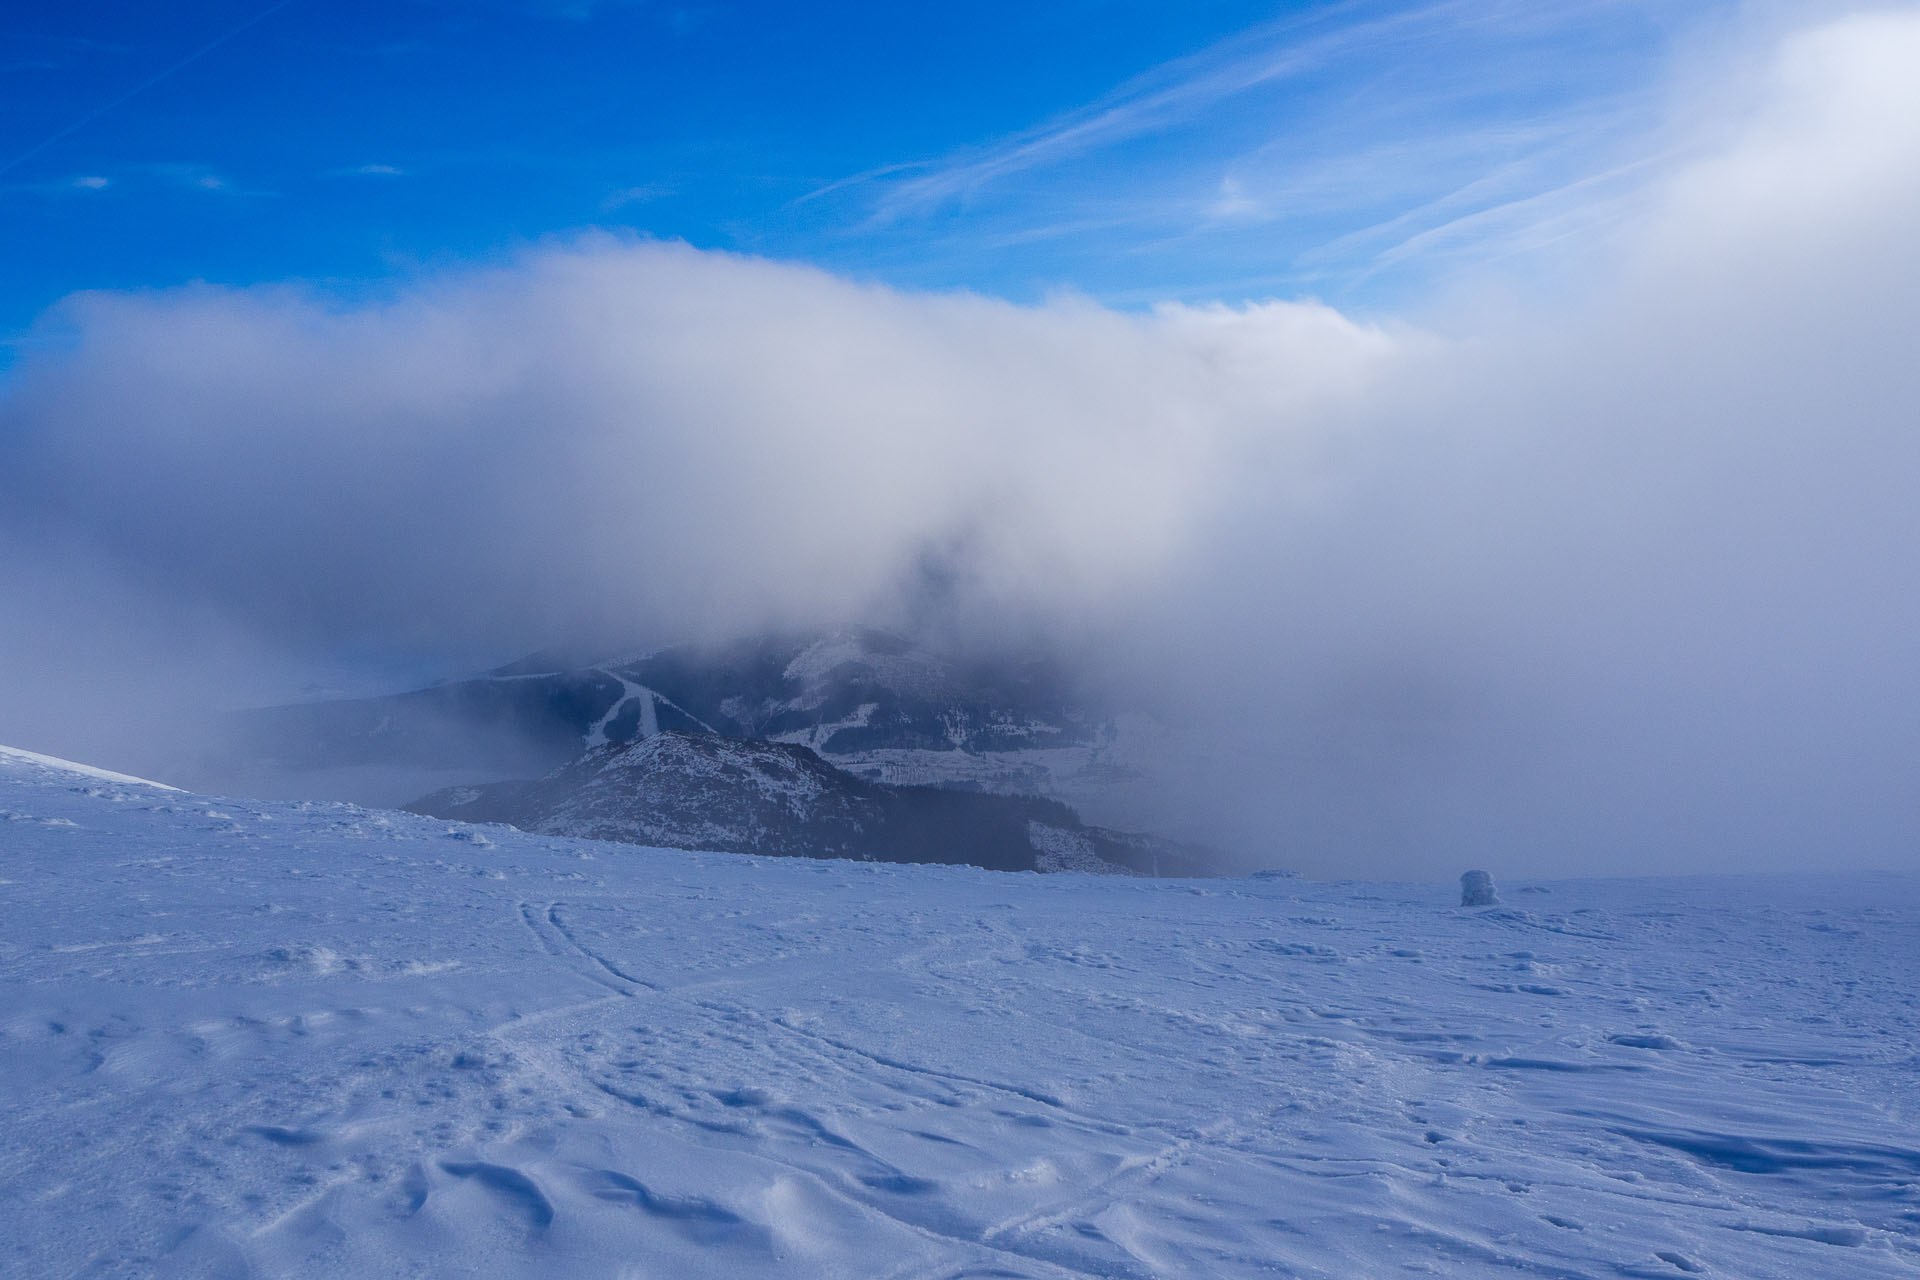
(1127, 149)
(1594, 466)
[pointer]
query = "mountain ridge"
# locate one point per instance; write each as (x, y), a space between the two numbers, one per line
(872, 702)
(711, 792)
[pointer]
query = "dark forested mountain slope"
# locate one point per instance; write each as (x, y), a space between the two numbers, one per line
(705, 791)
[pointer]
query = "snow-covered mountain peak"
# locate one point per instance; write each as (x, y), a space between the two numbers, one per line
(704, 791)
(873, 703)
(791, 773)
(871, 658)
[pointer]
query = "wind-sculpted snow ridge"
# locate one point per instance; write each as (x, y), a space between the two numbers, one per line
(32, 761)
(688, 791)
(262, 1039)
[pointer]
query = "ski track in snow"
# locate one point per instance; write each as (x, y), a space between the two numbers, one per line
(242, 1038)
(630, 692)
(649, 703)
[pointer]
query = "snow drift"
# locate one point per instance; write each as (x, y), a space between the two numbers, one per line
(277, 1039)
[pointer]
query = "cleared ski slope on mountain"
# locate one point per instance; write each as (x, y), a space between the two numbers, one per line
(241, 1038)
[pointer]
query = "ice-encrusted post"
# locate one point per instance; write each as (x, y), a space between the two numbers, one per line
(1476, 890)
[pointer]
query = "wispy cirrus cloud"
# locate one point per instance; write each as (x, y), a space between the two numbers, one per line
(190, 176)
(1155, 102)
(164, 73)
(1440, 130)
(645, 193)
(175, 175)
(63, 186)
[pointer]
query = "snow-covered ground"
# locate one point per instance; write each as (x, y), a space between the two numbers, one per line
(241, 1038)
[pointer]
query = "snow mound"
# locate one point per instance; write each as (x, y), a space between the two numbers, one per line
(1476, 890)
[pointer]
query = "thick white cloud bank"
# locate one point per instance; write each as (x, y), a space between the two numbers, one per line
(611, 432)
(1619, 577)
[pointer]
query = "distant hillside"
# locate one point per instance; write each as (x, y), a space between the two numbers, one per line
(705, 791)
(870, 702)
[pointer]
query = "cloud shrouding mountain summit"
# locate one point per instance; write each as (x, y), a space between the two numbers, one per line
(1617, 577)
(612, 432)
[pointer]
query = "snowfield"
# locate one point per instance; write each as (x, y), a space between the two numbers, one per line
(242, 1038)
